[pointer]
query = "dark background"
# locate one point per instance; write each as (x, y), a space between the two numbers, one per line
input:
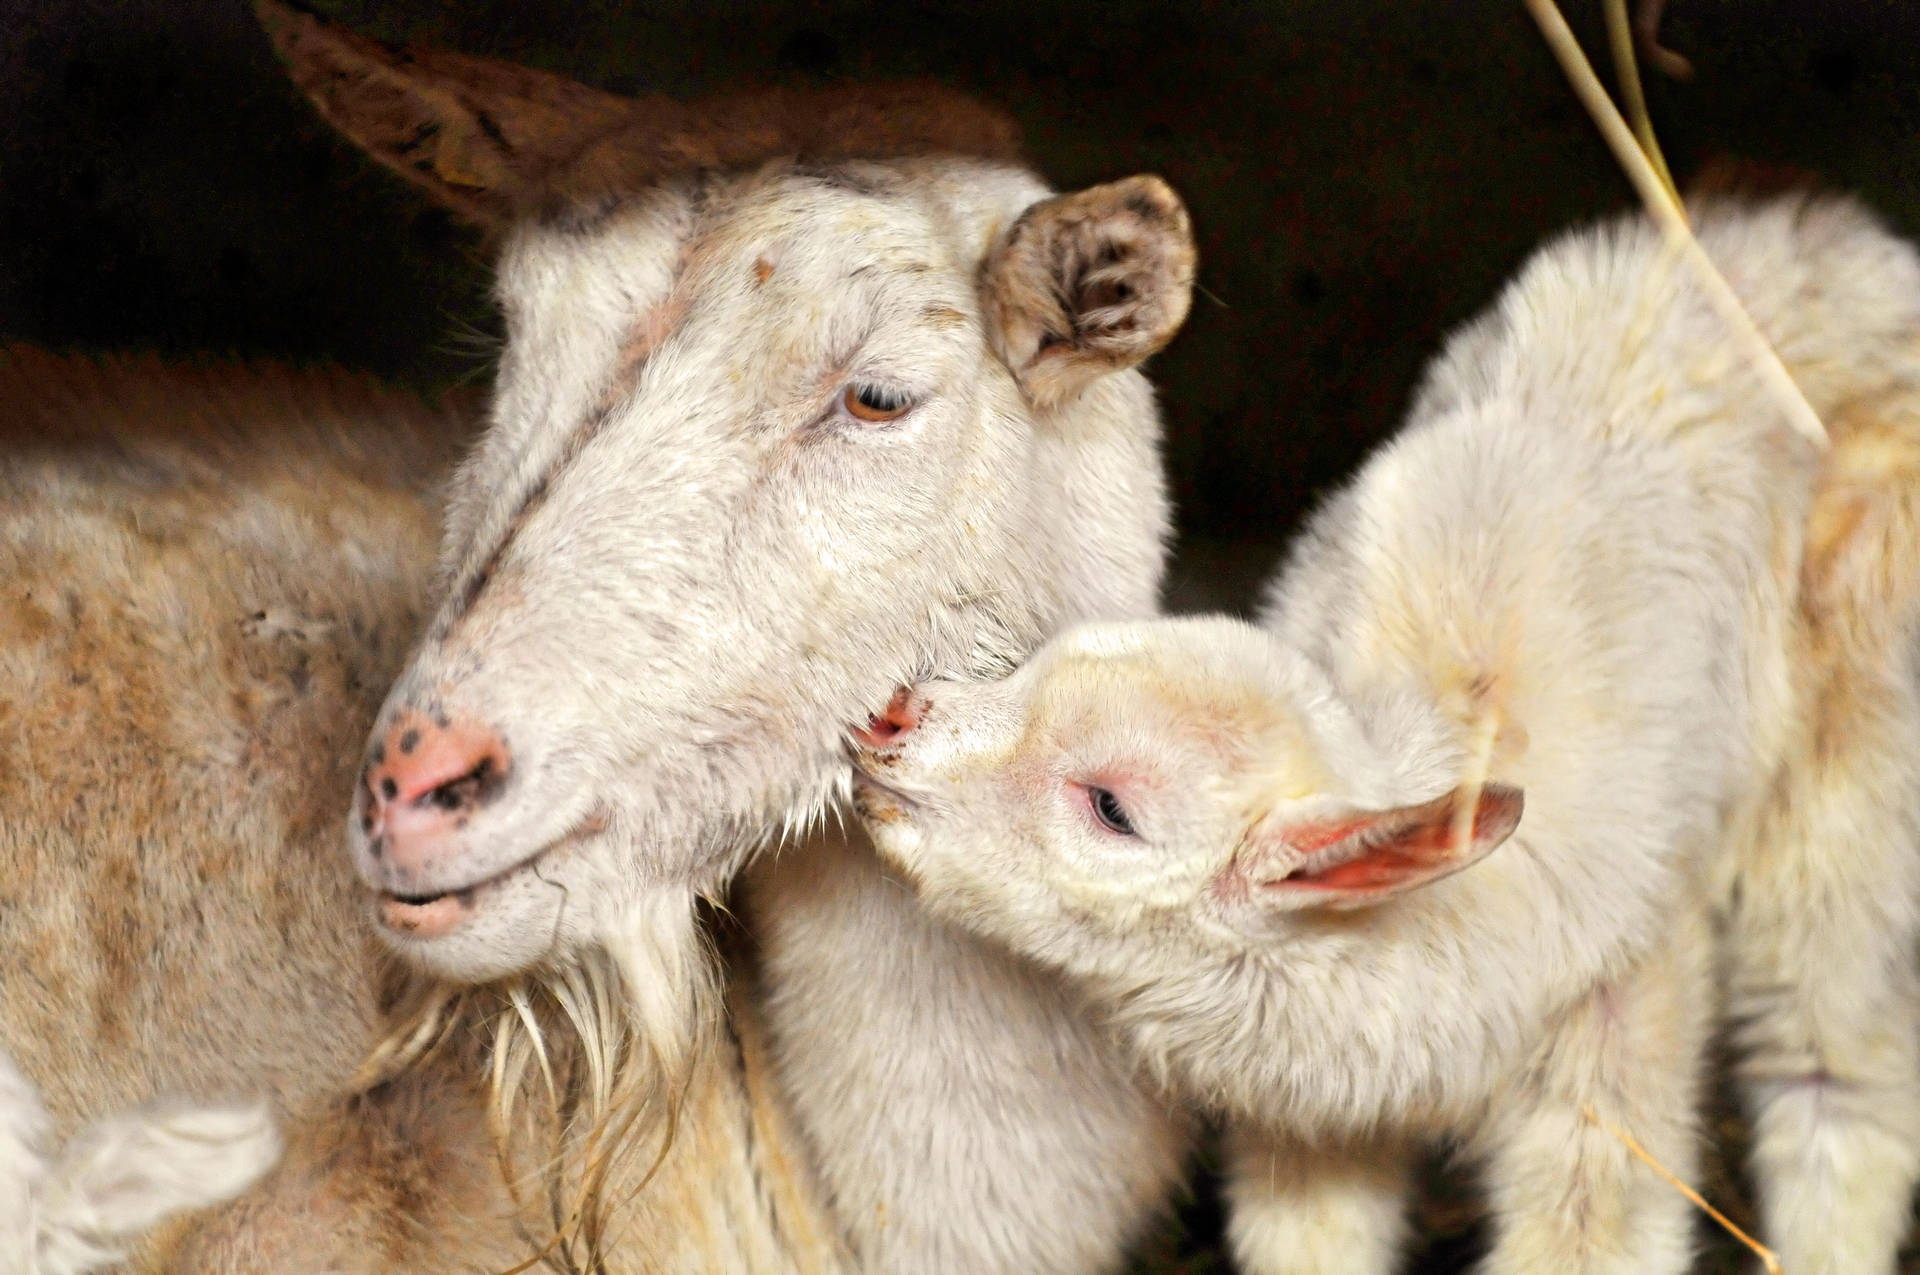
(1362, 174)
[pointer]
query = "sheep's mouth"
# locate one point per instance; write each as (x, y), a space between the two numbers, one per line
(463, 896)
(433, 914)
(425, 916)
(421, 900)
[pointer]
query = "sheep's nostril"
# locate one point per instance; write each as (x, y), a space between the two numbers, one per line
(425, 774)
(464, 791)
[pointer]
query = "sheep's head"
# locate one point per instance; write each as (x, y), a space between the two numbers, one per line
(804, 395)
(1148, 792)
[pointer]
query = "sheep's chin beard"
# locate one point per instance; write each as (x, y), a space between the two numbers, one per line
(630, 978)
(637, 1007)
(588, 1057)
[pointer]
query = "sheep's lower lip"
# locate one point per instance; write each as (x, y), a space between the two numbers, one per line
(432, 916)
(435, 915)
(425, 916)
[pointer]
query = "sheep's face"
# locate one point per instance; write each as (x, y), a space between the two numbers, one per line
(1167, 786)
(806, 393)
(761, 453)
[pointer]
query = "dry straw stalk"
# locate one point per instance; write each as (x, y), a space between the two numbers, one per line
(1672, 220)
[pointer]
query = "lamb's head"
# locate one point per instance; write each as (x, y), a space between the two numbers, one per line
(802, 398)
(1160, 788)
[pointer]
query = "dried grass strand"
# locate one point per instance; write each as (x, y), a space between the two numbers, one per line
(1668, 214)
(1626, 69)
(1465, 809)
(1632, 1144)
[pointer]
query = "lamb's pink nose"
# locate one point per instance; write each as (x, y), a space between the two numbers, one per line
(425, 778)
(886, 727)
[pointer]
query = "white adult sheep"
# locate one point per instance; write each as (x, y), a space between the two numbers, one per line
(1599, 569)
(803, 394)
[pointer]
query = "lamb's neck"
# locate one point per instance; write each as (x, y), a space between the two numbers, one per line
(1320, 1039)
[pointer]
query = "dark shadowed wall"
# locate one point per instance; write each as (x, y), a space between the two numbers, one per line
(1362, 175)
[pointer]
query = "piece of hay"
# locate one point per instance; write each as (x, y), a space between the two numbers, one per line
(1672, 220)
(1468, 806)
(1627, 71)
(1627, 1140)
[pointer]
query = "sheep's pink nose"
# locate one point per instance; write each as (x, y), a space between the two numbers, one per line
(900, 716)
(425, 778)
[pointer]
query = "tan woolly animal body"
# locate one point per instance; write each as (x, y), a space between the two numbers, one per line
(1597, 602)
(803, 395)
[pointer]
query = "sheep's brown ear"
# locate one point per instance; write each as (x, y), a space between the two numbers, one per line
(475, 134)
(1089, 283)
(1363, 858)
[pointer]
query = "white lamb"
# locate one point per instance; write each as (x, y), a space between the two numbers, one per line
(83, 1207)
(1599, 571)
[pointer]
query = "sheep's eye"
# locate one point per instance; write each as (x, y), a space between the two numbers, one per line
(876, 403)
(1108, 810)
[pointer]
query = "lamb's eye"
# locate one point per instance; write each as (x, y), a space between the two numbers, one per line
(1108, 810)
(876, 403)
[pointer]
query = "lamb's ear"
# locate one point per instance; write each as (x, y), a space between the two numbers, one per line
(475, 133)
(1360, 859)
(1089, 283)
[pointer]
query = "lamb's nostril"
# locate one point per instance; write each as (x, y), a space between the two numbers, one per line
(900, 716)
(902, 713)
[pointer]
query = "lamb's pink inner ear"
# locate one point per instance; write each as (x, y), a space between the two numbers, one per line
(1357, 860)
